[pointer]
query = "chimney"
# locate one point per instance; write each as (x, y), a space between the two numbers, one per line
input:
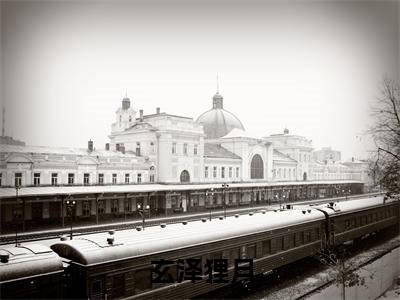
(141, 115)
(108, 146)
(90, 146)
(158, 110)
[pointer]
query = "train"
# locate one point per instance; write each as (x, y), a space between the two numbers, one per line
(180, 261)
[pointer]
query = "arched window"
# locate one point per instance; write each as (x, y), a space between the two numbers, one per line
(257, 167)
(185, 177)
(305, 176)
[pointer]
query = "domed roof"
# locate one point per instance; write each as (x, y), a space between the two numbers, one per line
(218, 122)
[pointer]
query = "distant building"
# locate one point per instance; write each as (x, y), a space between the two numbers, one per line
(41, 166)
(8, 140)
(326, 154)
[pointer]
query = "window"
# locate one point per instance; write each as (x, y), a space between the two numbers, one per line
(71, 177)
(152, 178)
(1, 177)
(137, 149)
(18, 179)
(251, 251)
(222, 172)
(114, 206)
(173, 148)
(195, 150)
(86, 208)
(86, 178)
(130, 118)
(142, 280)
(185, 148)
(230, 172)
(215, 172)
(237, 172)
(185, 177)
(257, 167)
(206, 172)
(139, 178)
(120, 118)
(36, 178)
(114, 178)
(230, 196)
(54, 178)
(101, 178)
(100, 207)
(279, 243)
(118, 287)
(127, 178)
(152, 147)
(266, 247)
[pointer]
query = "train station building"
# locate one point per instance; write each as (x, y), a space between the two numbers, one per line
(171, 163)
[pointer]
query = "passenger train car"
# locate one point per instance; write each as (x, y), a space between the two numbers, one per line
(122, 265)
(32, 271)
(189, 257)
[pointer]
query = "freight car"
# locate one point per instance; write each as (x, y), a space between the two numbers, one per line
(122, 265)
(32, 271)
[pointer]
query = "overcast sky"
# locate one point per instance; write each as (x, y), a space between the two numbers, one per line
(313, 67)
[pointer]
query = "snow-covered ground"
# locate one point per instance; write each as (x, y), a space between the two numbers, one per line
(379, 276)
(393, 293)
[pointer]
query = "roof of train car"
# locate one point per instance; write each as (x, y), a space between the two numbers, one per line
(94, 249)
(349, 206)
(27, 261)
(7, 192)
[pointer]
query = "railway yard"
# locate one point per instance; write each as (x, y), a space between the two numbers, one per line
(268, 243)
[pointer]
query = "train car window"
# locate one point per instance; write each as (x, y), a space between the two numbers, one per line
(279, 244)
(233, 254)
(266, 247)
(118, 286)
(307, 237)
(142, 280)
(347, 224)
(97, 289)
(251, 251)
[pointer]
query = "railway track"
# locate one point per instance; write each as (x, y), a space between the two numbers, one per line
(215, 214)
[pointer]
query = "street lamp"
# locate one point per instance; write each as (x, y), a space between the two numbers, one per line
(276, 198)
(283, 196)
(225, 186)
(142, 209)
(16, 210)
(210, 193)
(70, 205)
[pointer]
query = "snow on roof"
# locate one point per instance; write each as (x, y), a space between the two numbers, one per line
(139, 188)
(214, 150)
(348, 206)
(93, 249)
(236, 133)
(277, 155)
(28, 260)
(61, 151)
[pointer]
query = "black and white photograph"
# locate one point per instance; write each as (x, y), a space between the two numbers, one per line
(200, 149)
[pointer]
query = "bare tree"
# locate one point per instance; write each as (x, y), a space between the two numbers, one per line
(385, 166)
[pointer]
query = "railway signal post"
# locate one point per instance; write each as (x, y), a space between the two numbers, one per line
(142, 209)
(70, 205)
(225, 186)
(210, 193)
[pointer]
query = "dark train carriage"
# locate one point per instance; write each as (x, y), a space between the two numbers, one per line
(354, 219)
(122, 265)
(32, 271)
